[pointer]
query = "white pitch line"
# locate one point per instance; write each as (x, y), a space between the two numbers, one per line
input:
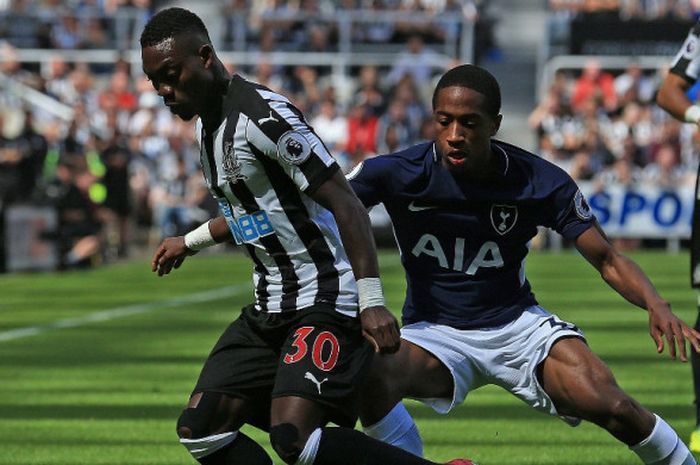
(121, 312)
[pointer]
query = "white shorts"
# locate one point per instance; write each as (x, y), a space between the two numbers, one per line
(507, 356)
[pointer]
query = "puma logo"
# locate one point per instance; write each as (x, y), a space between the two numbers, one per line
(313, 379)
(269, 119)
(504, 216)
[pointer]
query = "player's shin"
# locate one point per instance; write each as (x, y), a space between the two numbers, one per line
(342, 446)
(663, 447)
(398, 429)
(232, 448)
(207, 445)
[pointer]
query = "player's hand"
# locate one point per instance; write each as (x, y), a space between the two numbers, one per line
(381, 329)
(170, 254)
(666, 327)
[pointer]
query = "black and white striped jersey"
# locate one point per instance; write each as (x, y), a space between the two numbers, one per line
(686, 63)
(261, 164)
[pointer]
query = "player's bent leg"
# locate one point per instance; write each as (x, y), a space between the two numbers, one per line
(342, 446)
(298, 436)
(411, 372)
(208, 429)
(581, 385)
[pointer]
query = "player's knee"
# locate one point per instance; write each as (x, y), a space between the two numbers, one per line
(286, 442)
(195, 430)
(612, 409)
(193, 423)
(622, 408)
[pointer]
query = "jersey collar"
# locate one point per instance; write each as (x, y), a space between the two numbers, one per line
(503, 159)
(227, 105)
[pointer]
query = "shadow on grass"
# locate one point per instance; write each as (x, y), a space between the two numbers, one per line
(523, 412)
(90, 412)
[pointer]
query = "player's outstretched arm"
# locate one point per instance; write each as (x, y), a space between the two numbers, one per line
(172, 251)
(378, 324)
(625, 276)
(672, 97)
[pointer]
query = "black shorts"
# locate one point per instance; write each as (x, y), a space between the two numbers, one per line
(316, 353)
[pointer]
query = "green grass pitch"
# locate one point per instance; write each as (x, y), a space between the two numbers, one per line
(95, 366)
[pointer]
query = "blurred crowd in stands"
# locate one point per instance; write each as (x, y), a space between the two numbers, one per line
(309, 25)
(563, 12)
(627, 9)
(123, 166)
(604, 127)
(124, 171)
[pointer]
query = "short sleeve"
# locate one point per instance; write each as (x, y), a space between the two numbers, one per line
(368, 182)
(285, 137)
(572, 213)
(686, 63)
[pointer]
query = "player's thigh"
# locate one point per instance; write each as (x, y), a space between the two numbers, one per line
(324, 359)
(241, 367)
(411, 372)
(577, 380)
(241, 358)
(210, 413)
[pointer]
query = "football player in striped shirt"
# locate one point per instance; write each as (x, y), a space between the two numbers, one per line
(465, 208)
(672, 97)
(295, 359)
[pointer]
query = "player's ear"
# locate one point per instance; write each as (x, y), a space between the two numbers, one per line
(206, 54)
(496, 124)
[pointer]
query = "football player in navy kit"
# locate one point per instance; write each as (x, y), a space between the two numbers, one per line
(672, 98)
(294, 360)
(464, 208)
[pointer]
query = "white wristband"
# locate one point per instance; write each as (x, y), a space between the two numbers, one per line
(199, 238)
(370, 293)
(692, 114)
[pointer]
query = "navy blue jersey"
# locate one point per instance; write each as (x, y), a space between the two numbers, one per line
(463, 244)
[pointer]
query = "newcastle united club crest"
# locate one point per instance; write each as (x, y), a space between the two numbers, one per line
(230, 165)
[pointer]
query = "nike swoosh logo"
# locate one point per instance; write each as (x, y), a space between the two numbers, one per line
(419, 208)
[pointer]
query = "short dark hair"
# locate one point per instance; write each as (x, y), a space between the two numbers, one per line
(475, 78)
(171, 22)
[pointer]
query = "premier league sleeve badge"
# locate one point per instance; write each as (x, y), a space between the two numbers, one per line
(293, 147)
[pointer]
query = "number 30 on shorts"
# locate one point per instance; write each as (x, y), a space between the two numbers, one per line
(324, 342)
